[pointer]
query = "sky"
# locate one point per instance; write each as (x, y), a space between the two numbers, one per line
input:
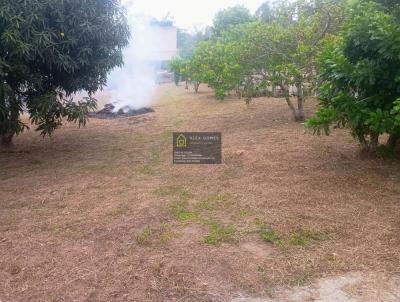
(188, 14)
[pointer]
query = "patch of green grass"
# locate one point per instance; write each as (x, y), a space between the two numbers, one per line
(185, 215)
(298, 238)
(178, 209)
(268, 235)
(154, 235)
(304, 237)
(159, 234)
(220, 233)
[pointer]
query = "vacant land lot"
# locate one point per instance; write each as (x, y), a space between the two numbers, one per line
(101, 214)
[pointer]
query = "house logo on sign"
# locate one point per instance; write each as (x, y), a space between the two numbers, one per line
(181, 141)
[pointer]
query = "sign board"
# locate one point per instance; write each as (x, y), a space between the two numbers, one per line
(197, 148)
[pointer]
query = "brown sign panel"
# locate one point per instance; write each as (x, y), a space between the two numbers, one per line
(196, 147)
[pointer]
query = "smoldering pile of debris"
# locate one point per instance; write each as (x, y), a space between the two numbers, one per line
(109, 112)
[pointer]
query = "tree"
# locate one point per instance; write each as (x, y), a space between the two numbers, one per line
(216, 64)
(359, 76)
(231, 16)
(253, 57)
(176, 66)
(51, 49)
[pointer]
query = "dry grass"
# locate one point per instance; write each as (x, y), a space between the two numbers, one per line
(101, 214)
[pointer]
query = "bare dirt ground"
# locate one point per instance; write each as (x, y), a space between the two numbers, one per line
(101, 214)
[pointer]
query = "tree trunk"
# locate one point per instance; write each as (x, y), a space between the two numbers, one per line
(12, 120)
(289, 101)
(300, 103)
(363, 142)
(186, 85)
(196, 87)
(291, 106)
(374, 142)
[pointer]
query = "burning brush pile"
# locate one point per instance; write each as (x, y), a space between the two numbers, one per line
(109, 112)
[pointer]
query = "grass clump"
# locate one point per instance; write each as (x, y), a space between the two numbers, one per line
(144, 236)
(164, 237)
(151, 235)
(304, 237)
(268, 235)
(219, 233)
(179, 210)
(179, 207)
(244, 212)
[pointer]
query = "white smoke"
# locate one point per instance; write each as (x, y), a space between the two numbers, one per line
(133, 84)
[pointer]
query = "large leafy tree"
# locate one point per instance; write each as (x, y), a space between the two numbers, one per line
(359, 78)
(176, 65)
(229, 17)
(253, 57)
(230, 62)
(51, 49)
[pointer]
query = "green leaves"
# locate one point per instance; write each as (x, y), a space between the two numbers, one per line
(322, 121)
(48, 111)
(48, 46)
(358, 76)
(251, 56)
(230, 17)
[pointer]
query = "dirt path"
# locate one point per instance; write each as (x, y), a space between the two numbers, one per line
(349, 287)
(101, 214)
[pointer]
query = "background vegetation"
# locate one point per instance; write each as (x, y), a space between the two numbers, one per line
(344, 52)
